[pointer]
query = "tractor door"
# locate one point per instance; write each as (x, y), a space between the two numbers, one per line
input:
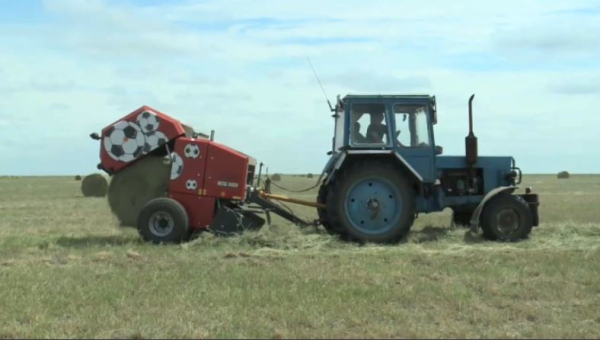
(413, 138)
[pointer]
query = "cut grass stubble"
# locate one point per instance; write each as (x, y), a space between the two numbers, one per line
(68, 271)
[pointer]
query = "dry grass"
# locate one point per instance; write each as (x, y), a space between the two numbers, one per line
(67, 270)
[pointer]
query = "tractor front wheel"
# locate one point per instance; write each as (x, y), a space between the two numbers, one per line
(371, 201)
(506, 218)
(163, 220)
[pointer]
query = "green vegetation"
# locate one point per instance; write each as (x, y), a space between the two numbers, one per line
(68, 270)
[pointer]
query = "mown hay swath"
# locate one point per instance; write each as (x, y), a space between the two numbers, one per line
(131, 188)
(94, 185)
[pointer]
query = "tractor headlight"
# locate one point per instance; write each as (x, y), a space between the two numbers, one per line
(514, 175)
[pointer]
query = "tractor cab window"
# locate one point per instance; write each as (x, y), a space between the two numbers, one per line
(369, 124)
(411, 126)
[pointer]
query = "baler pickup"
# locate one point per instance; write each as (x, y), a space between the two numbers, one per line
(235, 220)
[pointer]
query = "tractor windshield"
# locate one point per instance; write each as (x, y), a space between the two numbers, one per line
(411, 125)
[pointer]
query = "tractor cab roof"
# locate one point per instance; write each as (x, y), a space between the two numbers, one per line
(412, 98)
(387, 96)
(406, 98)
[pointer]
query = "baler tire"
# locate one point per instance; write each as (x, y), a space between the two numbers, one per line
(346, 182)
(179, 229)
(490, 219)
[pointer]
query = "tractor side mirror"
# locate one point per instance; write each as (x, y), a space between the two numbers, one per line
(439, 150)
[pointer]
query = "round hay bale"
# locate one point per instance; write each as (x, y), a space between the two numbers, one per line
(276, 178)
(131, 188)
(94, 185)
(309, 176)
(563, 175)
(78, 178)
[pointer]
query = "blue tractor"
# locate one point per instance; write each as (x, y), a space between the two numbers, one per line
(385, 169)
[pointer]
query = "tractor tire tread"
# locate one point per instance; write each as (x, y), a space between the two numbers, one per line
(322, 213)
(526, 218)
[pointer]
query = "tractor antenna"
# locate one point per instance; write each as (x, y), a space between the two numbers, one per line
(322, 89)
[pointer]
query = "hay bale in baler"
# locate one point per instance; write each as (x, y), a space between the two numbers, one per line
(131, 188)
(94, 185)
(563, 175)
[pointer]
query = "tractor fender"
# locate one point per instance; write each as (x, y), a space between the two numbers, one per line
(334, 168)
(338, 164)
(487, 198)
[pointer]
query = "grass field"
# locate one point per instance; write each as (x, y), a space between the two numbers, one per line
(67, 270)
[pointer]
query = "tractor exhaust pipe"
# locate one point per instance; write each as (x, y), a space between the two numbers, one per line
(471, 140)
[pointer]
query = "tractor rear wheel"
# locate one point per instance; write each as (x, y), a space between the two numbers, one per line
(322, 213)
(163, 220)
(506, 218)
(371, 201)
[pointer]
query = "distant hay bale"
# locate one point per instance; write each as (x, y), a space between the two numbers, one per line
(94, 185)
(78, 178)
(131, 188)
(276, 177)
(309, 176)
(563, 175)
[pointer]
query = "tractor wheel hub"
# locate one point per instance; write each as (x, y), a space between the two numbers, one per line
(373, 205)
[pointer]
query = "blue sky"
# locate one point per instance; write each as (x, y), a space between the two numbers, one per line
(70, 67)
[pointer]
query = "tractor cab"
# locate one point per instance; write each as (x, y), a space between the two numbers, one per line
(402, 124)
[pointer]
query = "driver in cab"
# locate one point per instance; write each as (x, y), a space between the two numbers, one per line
(377, 130)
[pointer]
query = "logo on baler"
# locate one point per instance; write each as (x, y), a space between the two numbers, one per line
(124, 141)
(176, 166)
(191, 151)
(148, 121)
(191, 184)
(227, 184)
(154, 139)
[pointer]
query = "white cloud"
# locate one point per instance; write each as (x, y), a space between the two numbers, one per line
(238, 67)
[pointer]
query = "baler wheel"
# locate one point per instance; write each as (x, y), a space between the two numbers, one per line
(506, 218)
(372, 201)
(163, 220)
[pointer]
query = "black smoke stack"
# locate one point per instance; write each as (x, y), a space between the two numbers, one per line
(471, 140)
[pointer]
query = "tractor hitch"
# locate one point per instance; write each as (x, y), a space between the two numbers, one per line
(263, 200)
